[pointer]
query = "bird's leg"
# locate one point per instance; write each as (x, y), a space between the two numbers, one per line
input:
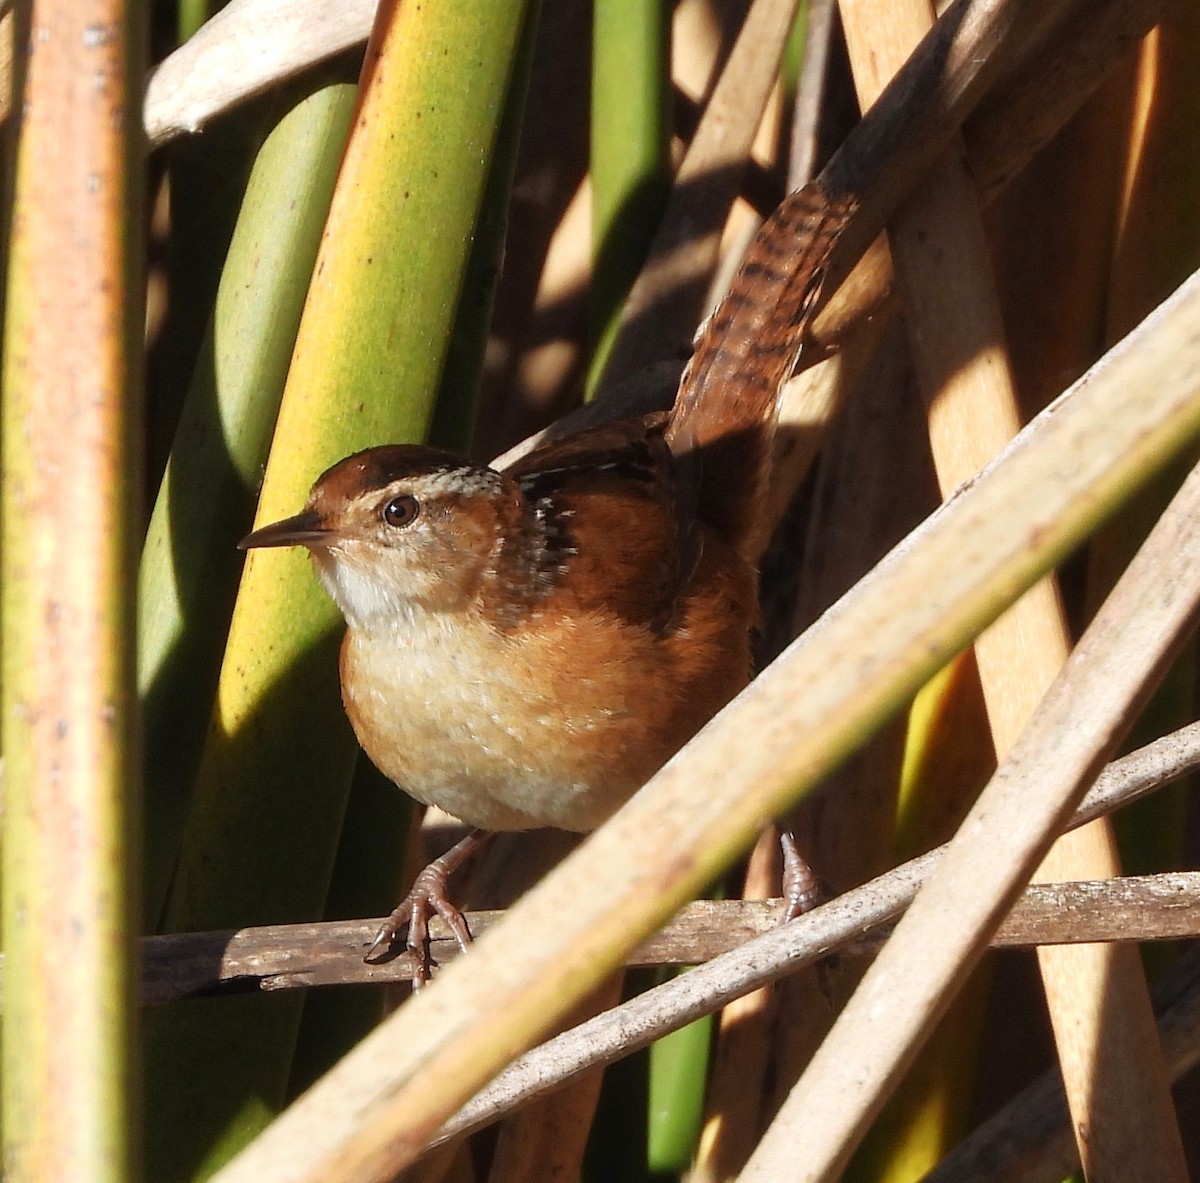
(426, 896)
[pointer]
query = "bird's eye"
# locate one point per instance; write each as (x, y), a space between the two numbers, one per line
(401, 510)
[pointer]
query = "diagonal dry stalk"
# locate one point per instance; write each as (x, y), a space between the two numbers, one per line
(1030, 1139)
(862, 912)
(248, 46)
(1084, 715)
(1123, 1115)
(177, 966)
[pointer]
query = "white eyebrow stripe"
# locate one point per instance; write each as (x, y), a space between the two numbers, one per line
(467, 478)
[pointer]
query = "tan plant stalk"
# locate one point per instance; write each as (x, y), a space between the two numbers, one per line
(1123, 1114)
(72, 375)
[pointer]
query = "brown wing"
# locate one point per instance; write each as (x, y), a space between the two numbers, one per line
(629, 550)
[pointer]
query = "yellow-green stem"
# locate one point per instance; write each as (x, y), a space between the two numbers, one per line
(629, 158)
(372, 343)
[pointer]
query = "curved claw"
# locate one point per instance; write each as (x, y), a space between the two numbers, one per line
(428, 895)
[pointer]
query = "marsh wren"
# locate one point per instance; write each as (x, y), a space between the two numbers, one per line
(526, 647)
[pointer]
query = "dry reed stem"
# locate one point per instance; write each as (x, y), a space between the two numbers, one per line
(942, 263)
(72, 364)
(1029, 1140)
(781, 951)
(329, 953)
(1082, 718)
(546, 1142)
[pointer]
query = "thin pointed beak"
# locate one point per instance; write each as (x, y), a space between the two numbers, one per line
(305, 529)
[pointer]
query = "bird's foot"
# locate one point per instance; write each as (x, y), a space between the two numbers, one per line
(428, 895)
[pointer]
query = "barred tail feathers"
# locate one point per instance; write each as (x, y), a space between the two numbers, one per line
(725, 408)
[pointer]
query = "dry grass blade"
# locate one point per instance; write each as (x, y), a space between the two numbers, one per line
(1024, 110)
(952, 311)
(1029, 1140)
(247, 47)
(6, 63)
(289, 956)
(1018, 116)
(1079, 723)
(780, 951)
